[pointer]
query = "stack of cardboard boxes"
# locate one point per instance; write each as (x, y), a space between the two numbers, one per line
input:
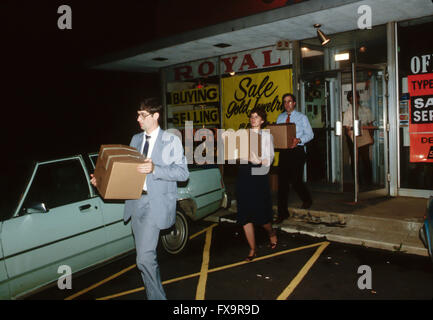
(116, 172)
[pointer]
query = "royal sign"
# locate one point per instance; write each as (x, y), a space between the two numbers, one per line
(237, 62)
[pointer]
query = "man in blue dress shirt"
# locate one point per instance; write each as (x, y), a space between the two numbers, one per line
(292, 160)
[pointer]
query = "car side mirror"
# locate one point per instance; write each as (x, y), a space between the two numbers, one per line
(36, 207)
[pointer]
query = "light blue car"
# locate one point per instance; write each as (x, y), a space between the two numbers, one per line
(61, 221)
(426, 232)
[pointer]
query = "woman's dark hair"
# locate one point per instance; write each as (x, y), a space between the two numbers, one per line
(261, 113)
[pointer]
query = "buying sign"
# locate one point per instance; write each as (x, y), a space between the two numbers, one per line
(194, 96)
(242, 93)
(421, 117)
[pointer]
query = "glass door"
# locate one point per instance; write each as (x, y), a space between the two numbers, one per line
(365, 139)
(320, 97)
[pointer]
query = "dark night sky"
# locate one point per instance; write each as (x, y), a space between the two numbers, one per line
(46, 85)
(52, 104)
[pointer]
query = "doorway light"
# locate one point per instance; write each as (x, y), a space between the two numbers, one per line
(322, 37)
(342, 56)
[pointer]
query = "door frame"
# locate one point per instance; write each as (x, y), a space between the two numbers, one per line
(334, 97)
(336, 74)
(385, 127)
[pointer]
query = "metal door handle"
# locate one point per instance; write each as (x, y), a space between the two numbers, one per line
(357, 128)
(338, 128)
(84, 207)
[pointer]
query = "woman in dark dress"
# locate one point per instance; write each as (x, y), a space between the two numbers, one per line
(254, 203)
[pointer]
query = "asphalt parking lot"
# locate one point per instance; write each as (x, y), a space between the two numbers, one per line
(302, 267)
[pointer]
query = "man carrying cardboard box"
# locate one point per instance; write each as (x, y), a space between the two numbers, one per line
(291, 161)
(165, 164)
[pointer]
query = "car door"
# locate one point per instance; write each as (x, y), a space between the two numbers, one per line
(205, 187)
(56, 223)
(119, 234)
(4, 285)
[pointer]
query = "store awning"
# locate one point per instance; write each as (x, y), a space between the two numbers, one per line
(292, 22)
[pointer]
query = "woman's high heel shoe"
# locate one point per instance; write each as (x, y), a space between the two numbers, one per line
(273, 234)
(251, 257)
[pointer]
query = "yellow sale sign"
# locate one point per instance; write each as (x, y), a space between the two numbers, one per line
(244, 92)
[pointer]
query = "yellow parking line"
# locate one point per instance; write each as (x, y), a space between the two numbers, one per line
(121, 294)
(124, 293)
(266, 257)
(125, 270)
(301, 274)
(203, 231)
(321, 245)
(100, 283)
(201, 287)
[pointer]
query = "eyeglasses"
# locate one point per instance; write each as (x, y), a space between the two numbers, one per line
(143, 116)
(288, 101)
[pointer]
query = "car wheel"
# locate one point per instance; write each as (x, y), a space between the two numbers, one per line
(176, 239)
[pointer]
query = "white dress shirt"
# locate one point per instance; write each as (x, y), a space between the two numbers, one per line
(152, 141)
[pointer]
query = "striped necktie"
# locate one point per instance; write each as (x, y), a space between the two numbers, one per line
(288, 118)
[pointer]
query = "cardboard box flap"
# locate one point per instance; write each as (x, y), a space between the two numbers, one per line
(123, 158)
(116, 172)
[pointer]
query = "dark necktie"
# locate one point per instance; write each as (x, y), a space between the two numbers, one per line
(288, 118)
(146, 146)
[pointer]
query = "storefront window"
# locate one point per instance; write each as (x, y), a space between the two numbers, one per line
(192, 105)
(415, 58)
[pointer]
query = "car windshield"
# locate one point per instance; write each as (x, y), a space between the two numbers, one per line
(12, 186)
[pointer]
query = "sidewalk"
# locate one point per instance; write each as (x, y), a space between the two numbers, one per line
(387, 223)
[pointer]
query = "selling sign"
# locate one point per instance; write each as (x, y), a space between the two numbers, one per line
(242, 93)
(421, 117)
(208, 116)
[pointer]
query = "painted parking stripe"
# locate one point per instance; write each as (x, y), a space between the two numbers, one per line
(201, 287)
(202, 231)
(100, 283)
(287, 291)
(294, 283)
(126, 270)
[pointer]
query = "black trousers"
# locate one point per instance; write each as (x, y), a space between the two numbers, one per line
(291, 171)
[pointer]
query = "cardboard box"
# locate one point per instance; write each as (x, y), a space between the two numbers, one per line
(116, 172)
(238, 145)
(283, 134)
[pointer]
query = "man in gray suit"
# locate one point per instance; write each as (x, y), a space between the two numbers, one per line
(165, 164)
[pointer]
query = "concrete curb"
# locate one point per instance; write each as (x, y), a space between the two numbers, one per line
(368, 231)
